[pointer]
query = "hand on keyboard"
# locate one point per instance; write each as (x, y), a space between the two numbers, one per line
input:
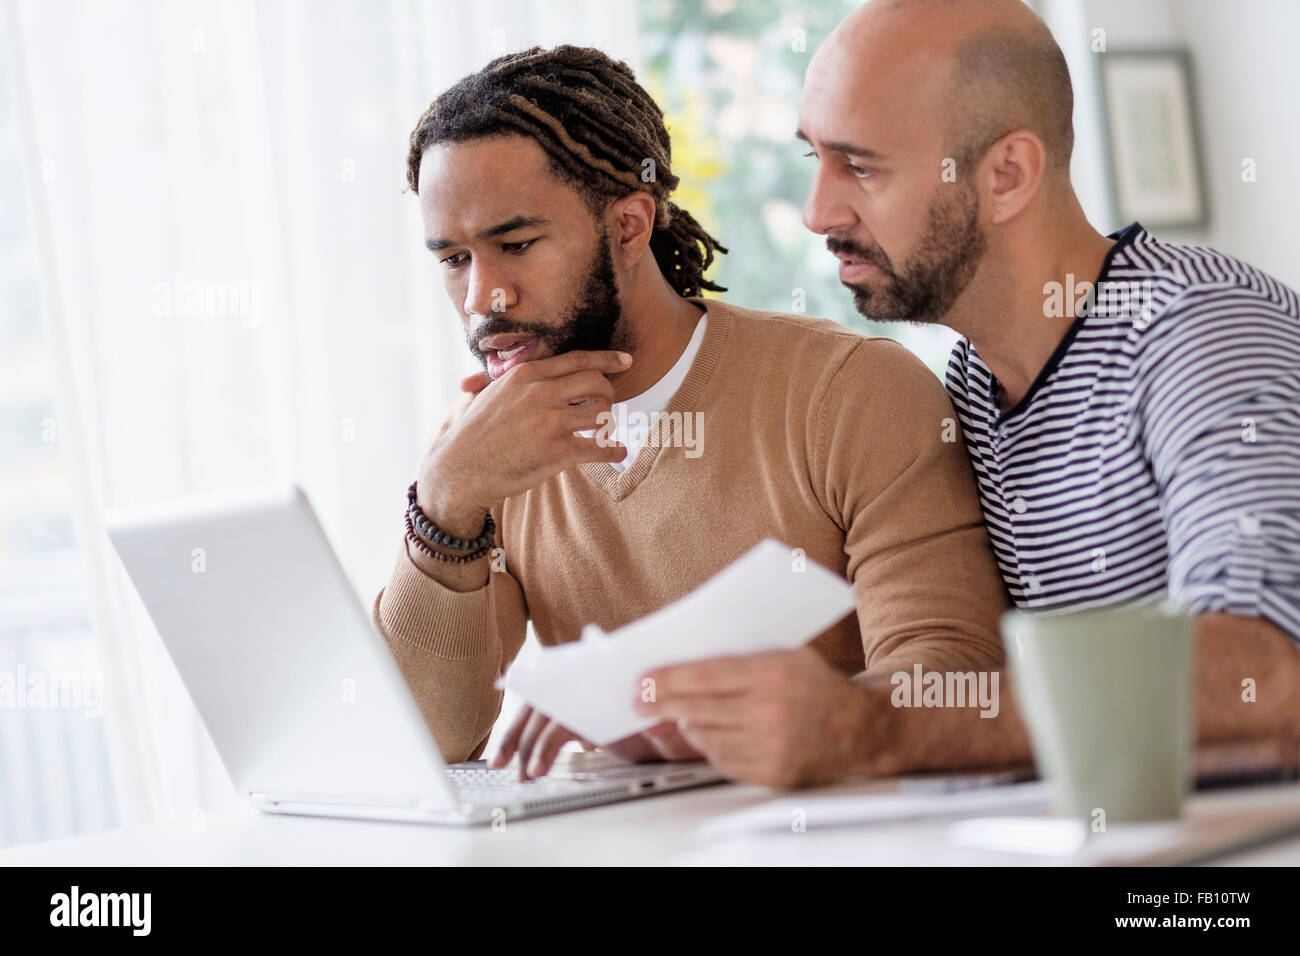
(537, 740)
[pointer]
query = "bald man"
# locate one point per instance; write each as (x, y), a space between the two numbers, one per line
(1131, 406)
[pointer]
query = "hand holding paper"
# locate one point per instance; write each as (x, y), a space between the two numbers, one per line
(764, 601)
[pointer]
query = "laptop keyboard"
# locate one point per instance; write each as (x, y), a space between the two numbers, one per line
(480, 785)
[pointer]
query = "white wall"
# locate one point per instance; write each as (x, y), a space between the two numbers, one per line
(1247, 79)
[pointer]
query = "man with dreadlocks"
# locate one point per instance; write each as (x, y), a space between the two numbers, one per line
(544, 183)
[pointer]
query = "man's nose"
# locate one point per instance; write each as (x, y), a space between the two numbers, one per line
(825, 211)
(489, 292)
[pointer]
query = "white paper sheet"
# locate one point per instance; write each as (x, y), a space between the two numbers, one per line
(854, 809)
(764, 601)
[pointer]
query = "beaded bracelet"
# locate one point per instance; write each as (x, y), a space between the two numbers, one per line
(430, 532)
(442, 556)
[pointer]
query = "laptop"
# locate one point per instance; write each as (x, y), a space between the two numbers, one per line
(299, 692)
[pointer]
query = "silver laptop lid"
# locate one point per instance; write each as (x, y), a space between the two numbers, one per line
(300, 695)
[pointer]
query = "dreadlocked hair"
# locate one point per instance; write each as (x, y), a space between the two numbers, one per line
(602, 134)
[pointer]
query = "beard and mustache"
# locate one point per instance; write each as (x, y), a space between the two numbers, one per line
(923, 289)
(594, 322)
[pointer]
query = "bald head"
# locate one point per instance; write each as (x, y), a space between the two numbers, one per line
(992, 66)
(941, 130)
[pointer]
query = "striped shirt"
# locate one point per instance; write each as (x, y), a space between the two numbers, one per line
(1157, 454)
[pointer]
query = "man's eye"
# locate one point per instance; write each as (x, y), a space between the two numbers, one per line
(860, 171)
(456, 260)
(517, 246)
(812, 153)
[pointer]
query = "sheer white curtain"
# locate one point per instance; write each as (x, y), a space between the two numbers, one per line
(234, 285)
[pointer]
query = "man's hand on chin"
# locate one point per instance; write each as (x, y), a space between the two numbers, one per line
(783, 719)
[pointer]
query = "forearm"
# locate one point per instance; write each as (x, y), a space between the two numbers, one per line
(450, 651)
(954, 648)
(1237, 659)
(457, 698)
(901, 738)
(1247, 680)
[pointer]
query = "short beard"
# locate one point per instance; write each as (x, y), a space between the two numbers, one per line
(936, 273)
(593, 323)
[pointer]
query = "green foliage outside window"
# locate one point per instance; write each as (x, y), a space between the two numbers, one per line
(729, 75)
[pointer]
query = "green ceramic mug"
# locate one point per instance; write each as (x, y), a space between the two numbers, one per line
(1107, 697)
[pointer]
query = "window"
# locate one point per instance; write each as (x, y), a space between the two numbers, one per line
(54, 778)
(729, 76)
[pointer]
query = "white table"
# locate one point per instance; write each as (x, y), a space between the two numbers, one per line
(651, 831)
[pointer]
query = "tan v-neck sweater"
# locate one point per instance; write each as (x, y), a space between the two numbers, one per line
(829, 441)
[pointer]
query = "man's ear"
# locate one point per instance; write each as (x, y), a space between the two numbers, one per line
(633, 223)
(1013, 173)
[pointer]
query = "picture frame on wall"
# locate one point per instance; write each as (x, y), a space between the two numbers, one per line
(1153, 141)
